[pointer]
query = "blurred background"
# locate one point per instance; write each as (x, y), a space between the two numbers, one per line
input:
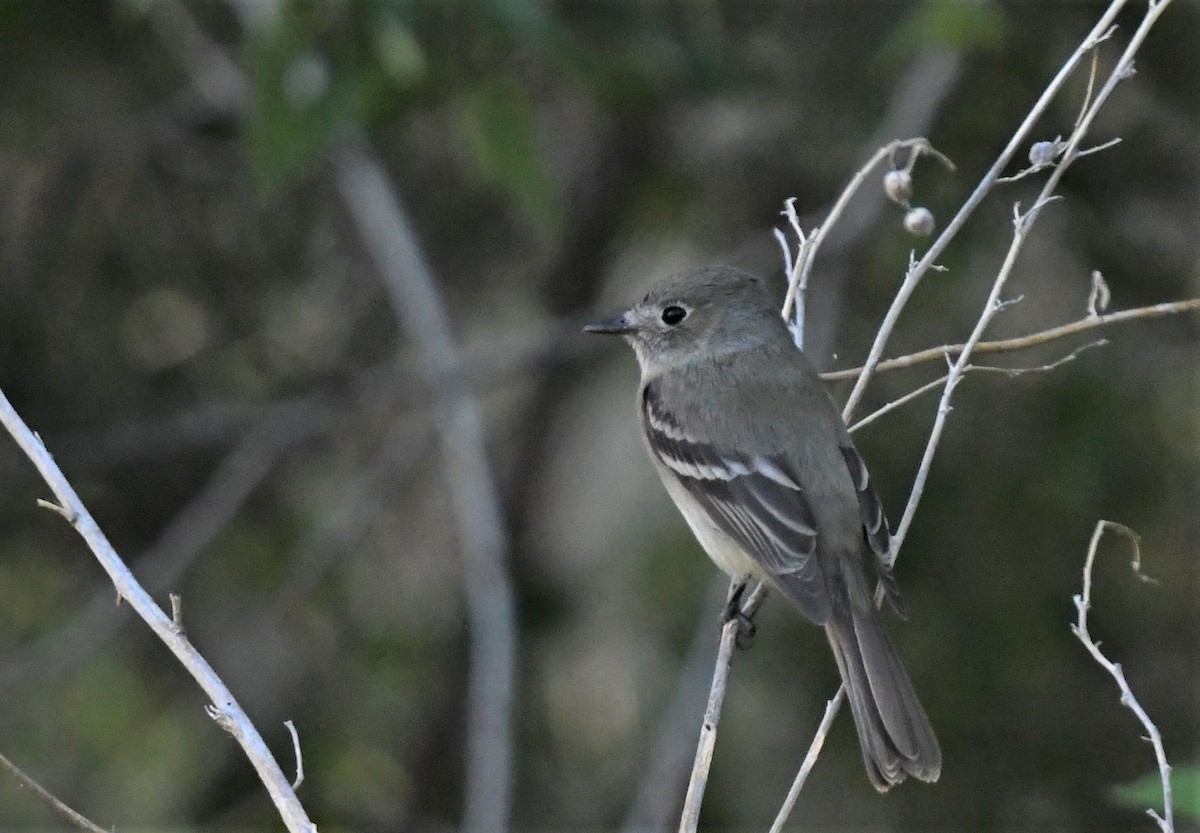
(194, 320)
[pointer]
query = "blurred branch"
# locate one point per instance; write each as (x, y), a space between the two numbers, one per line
(1083, 603)
(373, 205)
(48, 798)
(214, 74)
(359, 502)
(1023, 342)
(224, 708)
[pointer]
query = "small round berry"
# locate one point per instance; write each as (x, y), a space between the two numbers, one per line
(1042, 154)
(898, 186)
(919, 221)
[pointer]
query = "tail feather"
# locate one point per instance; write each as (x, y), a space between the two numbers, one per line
(893, 730)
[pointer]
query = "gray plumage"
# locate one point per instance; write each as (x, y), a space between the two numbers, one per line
(758, 460)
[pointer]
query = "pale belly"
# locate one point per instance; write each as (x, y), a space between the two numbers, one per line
(722, 549)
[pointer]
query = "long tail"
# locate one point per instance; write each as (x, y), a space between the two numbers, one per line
(895, 735)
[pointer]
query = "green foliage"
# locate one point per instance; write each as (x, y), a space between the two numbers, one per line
(497, 121)
(948, 24)
(1147, 792)
(318, 71)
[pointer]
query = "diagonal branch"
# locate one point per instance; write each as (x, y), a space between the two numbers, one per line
(225, 708)
(50, 799)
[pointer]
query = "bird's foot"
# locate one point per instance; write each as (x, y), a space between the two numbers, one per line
(744, 637)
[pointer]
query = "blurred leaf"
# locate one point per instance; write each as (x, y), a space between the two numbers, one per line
(400, 54)
(1147, 792)
(315, 76)
(526, 19)
(498, 123)
(948, 24)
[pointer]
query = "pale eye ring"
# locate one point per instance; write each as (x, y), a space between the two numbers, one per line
(673, 315)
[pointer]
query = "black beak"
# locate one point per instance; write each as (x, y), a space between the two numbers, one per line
(617, 326)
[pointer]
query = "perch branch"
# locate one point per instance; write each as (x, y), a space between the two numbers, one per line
(690, 818)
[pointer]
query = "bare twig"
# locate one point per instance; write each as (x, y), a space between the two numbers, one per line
(177, 613)
(235, 720)
(1022, 223)
(915, 273)
(708, 730)
(1023, 342)
(810, 759)
(1011, 372)
(1099, 297)
(51, 800)
(811, 243)
(374, 207)
(1083, 603)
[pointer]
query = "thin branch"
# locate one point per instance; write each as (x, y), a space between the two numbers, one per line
(1090, 322)
(373, 206)
(235, 720)
(1011, 372)
(1022, 223)
(914, 274)
(810, 244)
(50, 800)
(810, 759)
(1083, 603)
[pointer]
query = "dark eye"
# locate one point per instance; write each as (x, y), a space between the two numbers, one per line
(673, 315)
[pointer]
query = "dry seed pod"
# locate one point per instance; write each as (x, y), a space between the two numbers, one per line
(898, 186)
(1041, 154)
(919, 221)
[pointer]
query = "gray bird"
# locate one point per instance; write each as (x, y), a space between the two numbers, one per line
(757, 458)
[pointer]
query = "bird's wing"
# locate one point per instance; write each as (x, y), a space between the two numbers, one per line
(875, 528)
(752, 499)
